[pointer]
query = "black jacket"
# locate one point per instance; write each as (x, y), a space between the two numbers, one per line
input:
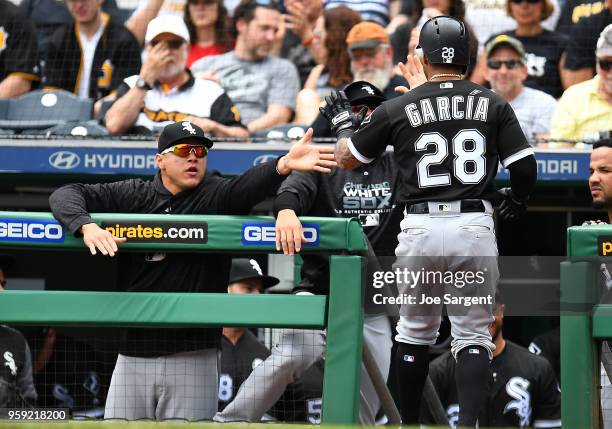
(367, 193)
(16, 385)
(172, 272)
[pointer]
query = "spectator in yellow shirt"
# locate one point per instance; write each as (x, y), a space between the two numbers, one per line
(585, 109)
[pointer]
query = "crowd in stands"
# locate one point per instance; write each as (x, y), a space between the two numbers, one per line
(256, 65)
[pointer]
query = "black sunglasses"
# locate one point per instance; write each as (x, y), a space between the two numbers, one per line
(172, 44)
(510, 64)
(605, 65)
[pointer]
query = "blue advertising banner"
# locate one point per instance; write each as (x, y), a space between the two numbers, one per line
(228, 158)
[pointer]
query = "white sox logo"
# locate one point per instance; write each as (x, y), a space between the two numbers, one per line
(368, 89)
(535, 65)
(256, 267)
(10, 362)
(448, 54)
(187, 127)
(517, 388)
(452, 413)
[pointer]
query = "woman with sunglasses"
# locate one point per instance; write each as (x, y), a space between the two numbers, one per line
(544, 49)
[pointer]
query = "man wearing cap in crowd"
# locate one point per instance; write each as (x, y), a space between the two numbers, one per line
(165, 91)
(172, 373)
(506, 71)
(371, 56)
(585, 109)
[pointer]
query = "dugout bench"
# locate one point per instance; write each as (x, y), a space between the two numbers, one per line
(584, 322)
(341, 312)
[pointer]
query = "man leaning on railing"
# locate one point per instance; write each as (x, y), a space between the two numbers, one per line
(172, 373)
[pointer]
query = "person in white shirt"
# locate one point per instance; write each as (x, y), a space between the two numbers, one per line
(506, 71)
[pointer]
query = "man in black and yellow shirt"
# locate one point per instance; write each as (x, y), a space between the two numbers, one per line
(18, 52)
(164, 91)
(92, 55)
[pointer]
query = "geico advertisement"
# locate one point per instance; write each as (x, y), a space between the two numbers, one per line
(31, 231)
(264, 234)
(159, 232)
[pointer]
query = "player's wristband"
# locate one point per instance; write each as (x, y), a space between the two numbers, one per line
(276, 166)
(345, 133)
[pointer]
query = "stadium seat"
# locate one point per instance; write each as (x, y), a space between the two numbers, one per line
(88, 128)
(282, 132)
(43, 109)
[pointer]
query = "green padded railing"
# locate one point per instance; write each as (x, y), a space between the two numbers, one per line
(341, 312)
(583, 323)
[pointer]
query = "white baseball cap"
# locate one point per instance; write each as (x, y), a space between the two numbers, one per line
(604, 43)
(167, 24)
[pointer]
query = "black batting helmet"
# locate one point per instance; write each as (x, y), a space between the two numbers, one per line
(445, 40)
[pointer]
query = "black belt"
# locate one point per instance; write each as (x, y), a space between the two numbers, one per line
(467, 206)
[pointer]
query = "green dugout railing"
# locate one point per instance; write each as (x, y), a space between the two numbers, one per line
(340, 312)
(584, 323)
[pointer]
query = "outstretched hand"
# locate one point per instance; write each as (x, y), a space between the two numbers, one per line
(305, 156)
(95, 237)
(413, 73)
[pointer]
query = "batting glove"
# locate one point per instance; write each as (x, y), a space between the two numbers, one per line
(511, 207)
(338, 112)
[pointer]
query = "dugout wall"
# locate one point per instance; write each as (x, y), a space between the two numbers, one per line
(340, 312)
(585, 321)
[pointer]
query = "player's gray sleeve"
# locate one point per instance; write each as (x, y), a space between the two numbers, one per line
(25, 382)
(295, 352)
